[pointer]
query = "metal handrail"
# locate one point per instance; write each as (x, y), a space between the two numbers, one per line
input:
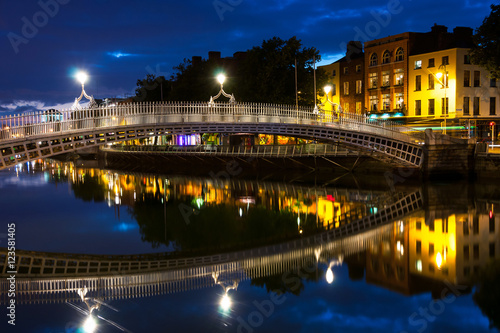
(40, 123)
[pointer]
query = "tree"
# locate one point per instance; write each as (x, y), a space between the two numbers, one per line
(268, 73)
(152, 88)
(486, 43)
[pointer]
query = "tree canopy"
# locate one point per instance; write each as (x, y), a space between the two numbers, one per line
(486, 49)
(264, 74)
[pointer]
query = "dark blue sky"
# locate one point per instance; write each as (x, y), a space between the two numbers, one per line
(117, 42)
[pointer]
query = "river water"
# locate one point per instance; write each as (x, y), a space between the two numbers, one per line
(427, 262)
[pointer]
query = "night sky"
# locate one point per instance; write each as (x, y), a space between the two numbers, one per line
(45, 42)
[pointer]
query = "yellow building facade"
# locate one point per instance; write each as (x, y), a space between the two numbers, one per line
(465, 93)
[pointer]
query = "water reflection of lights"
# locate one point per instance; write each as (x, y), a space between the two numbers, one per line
(89, 326)
(225, 302)
(330, 277)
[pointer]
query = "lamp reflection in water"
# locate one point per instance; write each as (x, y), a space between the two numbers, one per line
(329, 276)
(93, 305)
(225, 302)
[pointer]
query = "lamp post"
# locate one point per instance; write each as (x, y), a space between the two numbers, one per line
(221, 78)
(82, 78)
(327, 90)
(444, 83)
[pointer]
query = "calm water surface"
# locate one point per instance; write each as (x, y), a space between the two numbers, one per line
(418, 271)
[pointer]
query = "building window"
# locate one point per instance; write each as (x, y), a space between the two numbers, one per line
(466, 106)
(359, 86)
(466, 228)
(334, 89)
(475, 251)
(431, 249)
(358, 68)
(373, 103)
(373, 59)
(358, 108)
(466, 78)
(334, 72)
(475, 225)
(418, 64)
(466, 59)
(418, 108)
(400, 54)
(346, 70)
(476, 106)
(445, 60)
(493, 83)
(418, 247)
(386, 57)
(477, 78)
(418, 225)
(431, 107)
(431, 81)
(398, 76)
(399, 100)
(431, 225)
(346, 107)
(466, 252)
(418, 83)
(386, 102)
(372, 80)
(444, 105)
(346, 88)
(493, 106)
(431, 62)
(385, 79)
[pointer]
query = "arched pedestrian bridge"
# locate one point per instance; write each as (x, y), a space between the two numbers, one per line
(36, 135)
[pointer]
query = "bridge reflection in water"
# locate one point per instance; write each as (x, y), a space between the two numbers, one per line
(116, 277)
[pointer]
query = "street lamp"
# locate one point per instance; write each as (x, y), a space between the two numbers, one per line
(82, 78)
(335, 106)
(221, 78)
(444, 83)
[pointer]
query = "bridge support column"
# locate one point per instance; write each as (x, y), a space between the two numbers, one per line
(447, 157)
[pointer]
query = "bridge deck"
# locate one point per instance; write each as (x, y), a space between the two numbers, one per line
(38, 135)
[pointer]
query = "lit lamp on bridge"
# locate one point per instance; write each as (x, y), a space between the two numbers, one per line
(82, 78)
(221, 78)
(442, 77)
(327, 89)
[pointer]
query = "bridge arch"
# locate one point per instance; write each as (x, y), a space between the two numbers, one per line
(29, 136)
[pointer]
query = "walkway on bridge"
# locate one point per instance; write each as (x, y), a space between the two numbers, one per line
(36, 135)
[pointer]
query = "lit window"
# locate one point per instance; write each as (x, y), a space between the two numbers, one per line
(418, 64)
(418, 265)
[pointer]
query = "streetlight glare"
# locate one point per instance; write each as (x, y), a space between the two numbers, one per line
(81, 77)
(439, 75)
(221, 78)
(225, 303)
(329, 275)
(327, 89)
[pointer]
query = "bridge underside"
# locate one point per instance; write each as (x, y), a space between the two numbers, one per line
(391, 150)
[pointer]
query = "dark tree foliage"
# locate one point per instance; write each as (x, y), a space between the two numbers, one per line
(152, 88)
(486, 49)
(266, 74)
(487, 293)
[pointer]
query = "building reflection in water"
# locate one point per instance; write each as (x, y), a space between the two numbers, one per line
(423, 251)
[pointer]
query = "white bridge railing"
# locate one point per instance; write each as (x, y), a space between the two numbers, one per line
(43, 123)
